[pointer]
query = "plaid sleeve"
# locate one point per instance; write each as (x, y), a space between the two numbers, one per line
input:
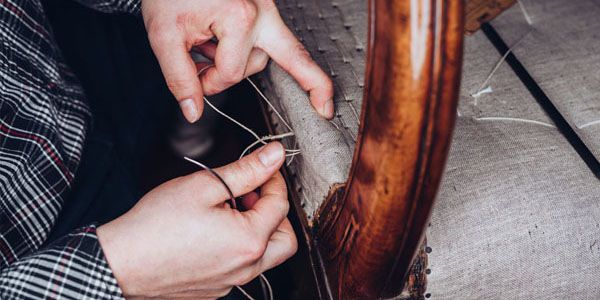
(114, 6)
(74, 267)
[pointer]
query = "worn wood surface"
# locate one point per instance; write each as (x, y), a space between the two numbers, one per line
(481, 11)
(367, 233)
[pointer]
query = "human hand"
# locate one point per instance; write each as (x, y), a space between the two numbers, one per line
(249, 32)
(182, 240)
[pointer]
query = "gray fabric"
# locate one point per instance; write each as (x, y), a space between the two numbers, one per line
(507, 97)
(334, 32)
(562, 53)
(518, 215)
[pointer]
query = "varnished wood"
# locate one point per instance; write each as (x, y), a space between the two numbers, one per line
(478, 12)
(367, 233)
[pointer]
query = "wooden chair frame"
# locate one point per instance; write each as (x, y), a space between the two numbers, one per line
(366, 233)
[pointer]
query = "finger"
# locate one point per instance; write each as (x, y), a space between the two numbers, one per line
(249, 200)
(285, 49)
(179, 71)
(242, 176)
(282, 245)
(271, 208)
(257, 62)
(231, 58)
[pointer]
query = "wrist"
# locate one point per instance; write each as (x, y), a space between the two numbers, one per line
(115, 253)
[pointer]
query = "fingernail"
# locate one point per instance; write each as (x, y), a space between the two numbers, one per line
(271, 154)
(189, 109)
(327, 110)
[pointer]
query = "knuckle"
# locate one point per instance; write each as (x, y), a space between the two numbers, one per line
(152, 25)
(182, 20)
(211, 86)
(323, 83)
(176, 85)
(262, 63)
(248, 171)
(245, 276)
(292, 245)
(283, 206)
(161, 30)
(245, 13)
(158, 34)
(254, 249)
(268, 4)
(233, 76)
(301, 51)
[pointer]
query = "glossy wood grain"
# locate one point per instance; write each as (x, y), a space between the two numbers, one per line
(367, 233)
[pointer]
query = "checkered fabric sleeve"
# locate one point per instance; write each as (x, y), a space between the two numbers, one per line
(44, 117)
(114, 6)
(73, 267)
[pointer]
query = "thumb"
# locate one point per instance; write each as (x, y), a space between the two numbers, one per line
(246, 174)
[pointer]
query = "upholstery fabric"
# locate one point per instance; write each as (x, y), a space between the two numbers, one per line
(517, 215)
(562, 53)
(334, 32)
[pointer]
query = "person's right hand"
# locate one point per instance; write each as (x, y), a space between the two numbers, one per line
(249, 32)
(182, 240)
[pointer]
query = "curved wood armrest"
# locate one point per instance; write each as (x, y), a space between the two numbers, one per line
(368, 232)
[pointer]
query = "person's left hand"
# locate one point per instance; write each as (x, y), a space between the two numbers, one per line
(248, 31)
(181, 240)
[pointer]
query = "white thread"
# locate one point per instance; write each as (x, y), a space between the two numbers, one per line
(525, 13)
(335, 125)
(292, 154)
(266, 138)
(498, 64)
(289, 153)
(487, 90)
(262, 277)
(232, 119)
(292, 159)
(269, 288)
(204, 69)
(269, 103)
(516, 120)
(589, 124)
(354, 112)
(258, 138)
(245, 293)
(263, 288)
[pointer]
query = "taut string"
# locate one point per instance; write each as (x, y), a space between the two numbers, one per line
(259, 140)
